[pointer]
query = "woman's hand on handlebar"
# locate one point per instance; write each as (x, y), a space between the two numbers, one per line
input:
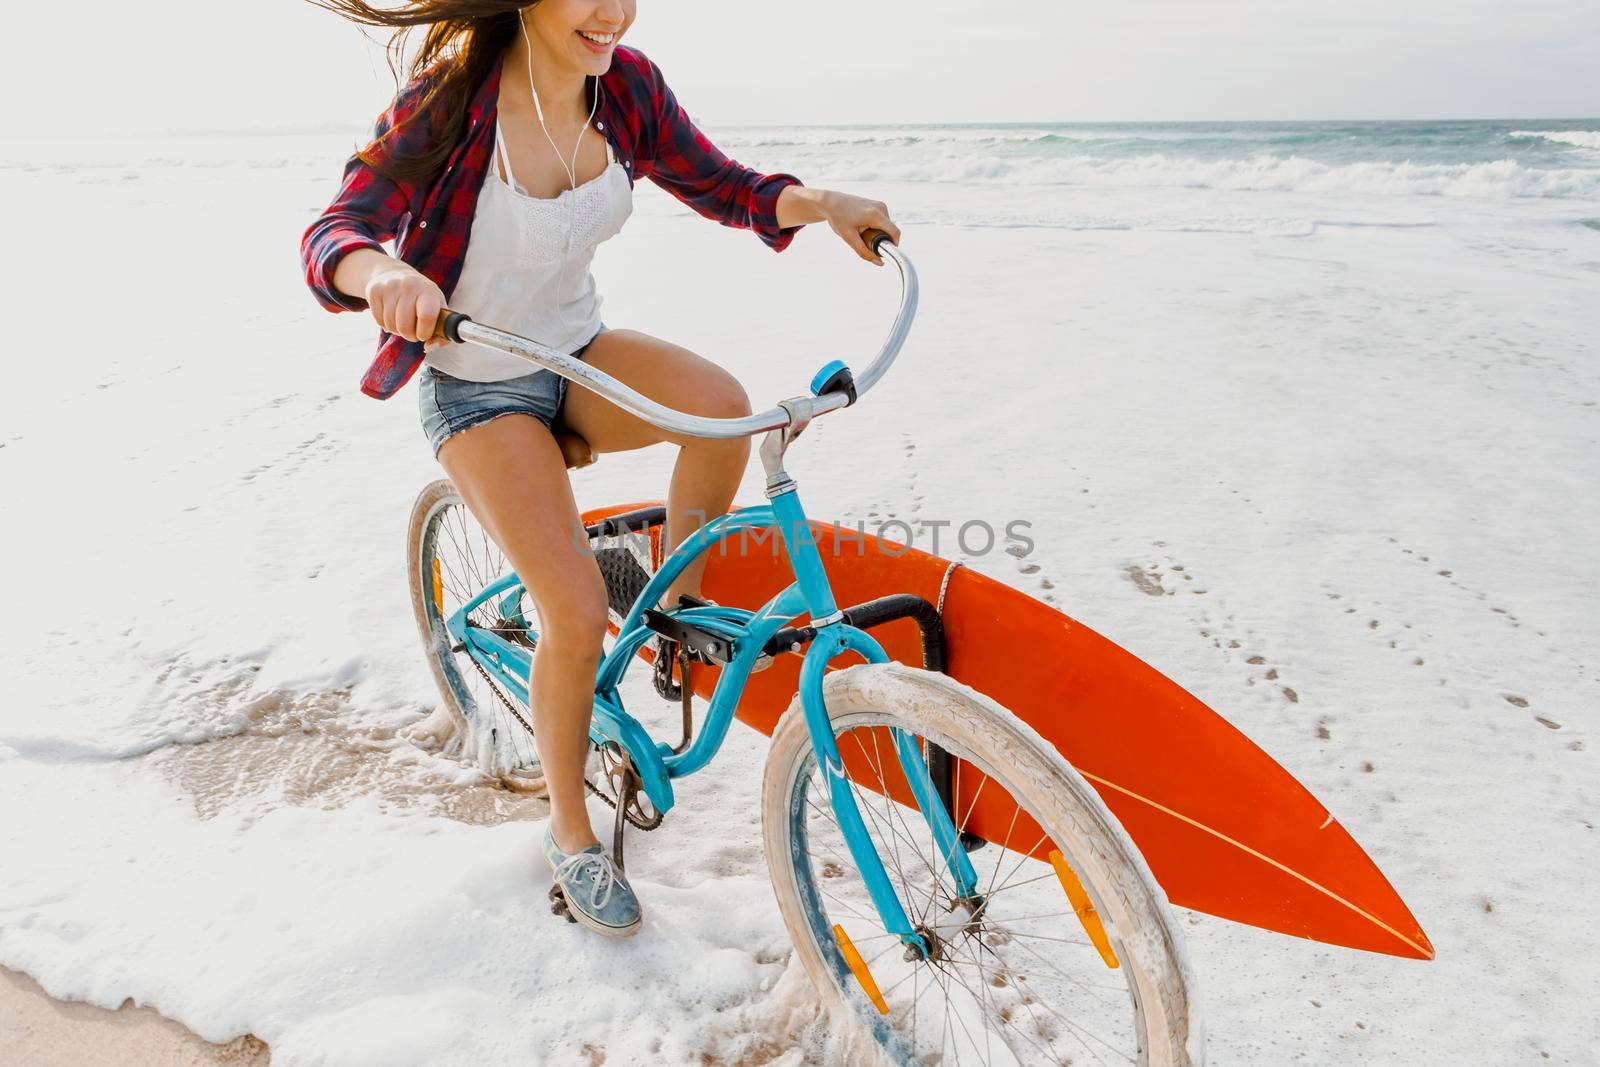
(405, 302)
(847, 214)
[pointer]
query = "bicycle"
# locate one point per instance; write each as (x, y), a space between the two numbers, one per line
(932, 938)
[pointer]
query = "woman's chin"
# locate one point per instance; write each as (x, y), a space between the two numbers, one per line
(591, 64)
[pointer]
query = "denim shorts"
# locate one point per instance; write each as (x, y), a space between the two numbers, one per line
(449, 404)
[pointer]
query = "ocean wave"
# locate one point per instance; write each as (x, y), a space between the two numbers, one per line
(1576, 138)
(986, 216)
(823, 137)
(1261, 173)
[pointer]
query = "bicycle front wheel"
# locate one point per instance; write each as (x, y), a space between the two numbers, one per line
(1063, 951)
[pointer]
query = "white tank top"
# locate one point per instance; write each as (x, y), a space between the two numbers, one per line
(523, 273)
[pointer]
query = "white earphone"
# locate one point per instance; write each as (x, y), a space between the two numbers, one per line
(572, 170)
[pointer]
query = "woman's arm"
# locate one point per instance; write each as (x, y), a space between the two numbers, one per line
(403, 300)
(364, 213)
(693, 170)
(680, 158)
(848, 215)
(775, 206)
(342, 251)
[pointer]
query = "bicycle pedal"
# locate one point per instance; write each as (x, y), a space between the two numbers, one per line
(558, 904)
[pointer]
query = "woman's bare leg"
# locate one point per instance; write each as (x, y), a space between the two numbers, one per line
(512, 476)
(707, 473)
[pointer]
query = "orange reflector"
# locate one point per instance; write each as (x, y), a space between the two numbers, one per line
(859, 968)
(1084, 907)
(438, 587)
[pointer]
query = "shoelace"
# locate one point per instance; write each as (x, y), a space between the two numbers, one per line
(601, 881)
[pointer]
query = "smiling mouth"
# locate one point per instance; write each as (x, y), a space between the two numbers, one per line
(599, 40)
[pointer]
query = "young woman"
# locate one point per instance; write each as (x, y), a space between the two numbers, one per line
(509, 156)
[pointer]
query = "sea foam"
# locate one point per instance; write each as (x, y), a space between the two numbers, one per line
(1261, 173)
(1577, 138)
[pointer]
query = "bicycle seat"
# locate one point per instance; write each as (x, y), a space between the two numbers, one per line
(574, 449)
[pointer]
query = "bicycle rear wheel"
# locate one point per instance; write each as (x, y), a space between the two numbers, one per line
(1022, 968)
(449, 559)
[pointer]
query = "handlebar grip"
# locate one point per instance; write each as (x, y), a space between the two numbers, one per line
(874, 237)
(449, 326)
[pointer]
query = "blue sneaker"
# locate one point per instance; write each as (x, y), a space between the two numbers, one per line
(596, 894)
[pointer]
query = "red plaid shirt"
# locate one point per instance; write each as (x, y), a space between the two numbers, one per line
(432, 221)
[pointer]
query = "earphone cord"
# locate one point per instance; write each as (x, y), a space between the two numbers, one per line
(572, 171)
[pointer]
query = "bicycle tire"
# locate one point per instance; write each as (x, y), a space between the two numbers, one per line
(1163, 1028)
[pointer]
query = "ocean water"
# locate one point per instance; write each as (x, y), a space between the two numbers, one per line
(1274, 178)
(1484, 159)
(1270, 178)
(1400, 158)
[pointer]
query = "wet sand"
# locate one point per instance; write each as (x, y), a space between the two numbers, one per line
(292, 751)
(40, 1031)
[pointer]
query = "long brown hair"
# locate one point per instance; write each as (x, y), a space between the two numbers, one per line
(462, 41)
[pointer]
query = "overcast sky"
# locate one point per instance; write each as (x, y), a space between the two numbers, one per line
(107, 66)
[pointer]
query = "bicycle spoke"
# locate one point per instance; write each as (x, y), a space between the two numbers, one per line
(1042, 937)
(1049, 875)
(957, 1014)
(916, 973)
(984, 998)
(983, 981)
(867, 809)
(962, 828)
(1086, 986)
(835, 823)
(917, 851)
(1004, 846)
(877, 769)
(1046, 915)
(895, 811)
(1080, 983)
(1027, 1006)
(1022, 857)
(873, 920)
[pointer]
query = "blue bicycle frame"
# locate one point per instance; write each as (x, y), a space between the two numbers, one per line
(748, 633)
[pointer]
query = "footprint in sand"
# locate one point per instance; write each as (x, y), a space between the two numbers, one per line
(1402, 637)
(911, 474)
(1449, 575)
(1028, 568)
(1151, 577)
(315, 449)
(1164, 576)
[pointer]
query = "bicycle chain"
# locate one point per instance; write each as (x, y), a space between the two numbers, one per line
(638, 821)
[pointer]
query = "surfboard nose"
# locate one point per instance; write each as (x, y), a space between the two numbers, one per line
(1391, 927)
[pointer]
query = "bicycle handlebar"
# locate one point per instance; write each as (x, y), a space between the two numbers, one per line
(455, 326)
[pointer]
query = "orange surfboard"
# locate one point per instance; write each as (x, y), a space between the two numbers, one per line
(1224, 828)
